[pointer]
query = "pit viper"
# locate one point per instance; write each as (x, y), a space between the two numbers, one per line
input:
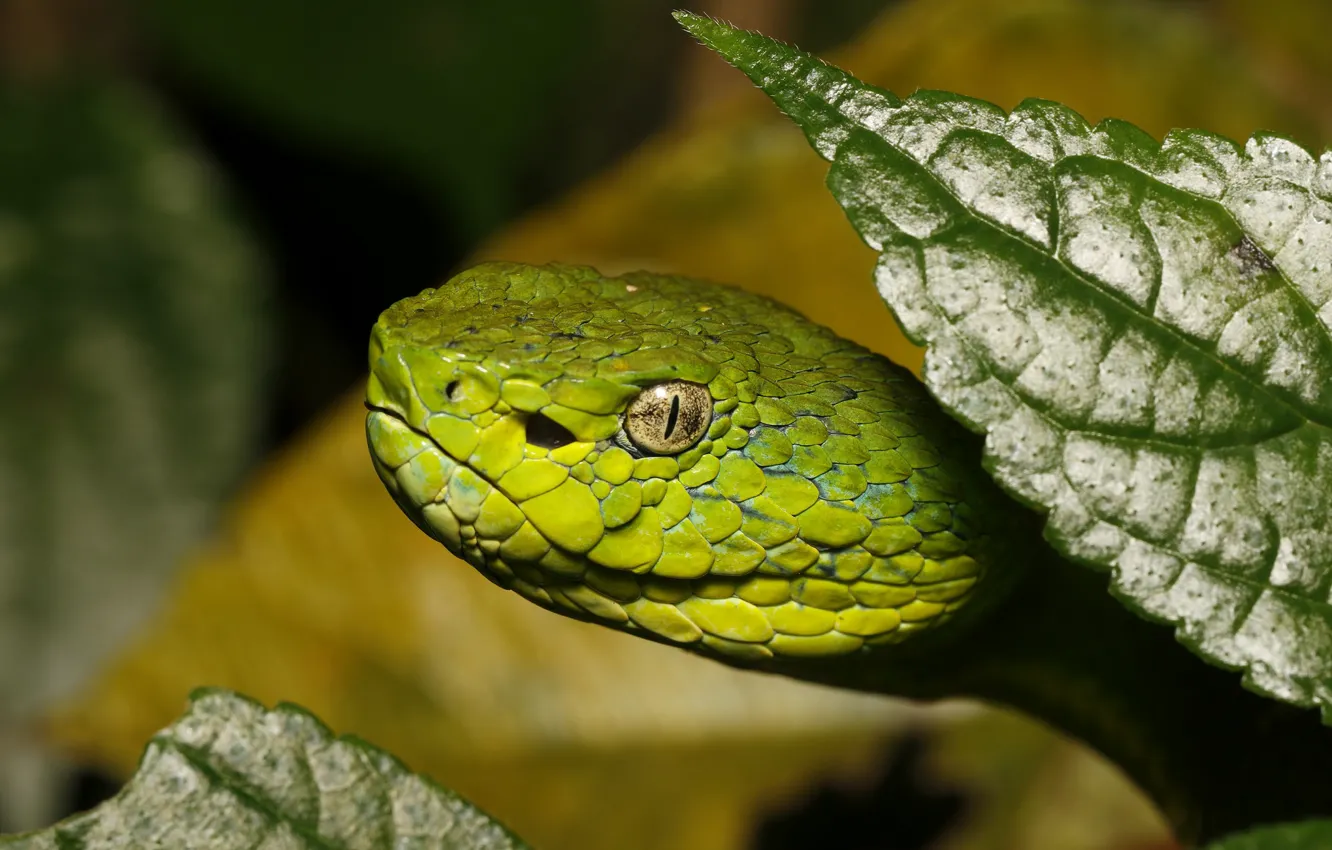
(706, 468)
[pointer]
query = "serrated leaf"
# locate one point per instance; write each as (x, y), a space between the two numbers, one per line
(1143, 330)
(131, 341)
(232, 774)
(1306, 835)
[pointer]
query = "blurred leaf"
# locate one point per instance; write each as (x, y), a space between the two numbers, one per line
(459, 94)
(230, 774)
(131, 336)
(1307, 835)
(1133, 325)
(1288, 39)
(564, 724)
(1041, 792)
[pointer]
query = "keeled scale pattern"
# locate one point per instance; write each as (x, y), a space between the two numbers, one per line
(818, 515)
(1144, 330)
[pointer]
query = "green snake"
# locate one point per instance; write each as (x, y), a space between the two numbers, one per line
(706, 468)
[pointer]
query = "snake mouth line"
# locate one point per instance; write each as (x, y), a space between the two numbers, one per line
(539, 431)
(562, 582)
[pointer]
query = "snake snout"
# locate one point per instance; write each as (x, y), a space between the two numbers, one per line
(676, 459)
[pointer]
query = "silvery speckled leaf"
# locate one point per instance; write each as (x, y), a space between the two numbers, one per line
(232, 774)
(132, 338)
(1143, 330)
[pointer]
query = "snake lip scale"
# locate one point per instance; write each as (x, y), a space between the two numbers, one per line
(710, 469)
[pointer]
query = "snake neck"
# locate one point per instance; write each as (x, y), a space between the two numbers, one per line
(1213, 757)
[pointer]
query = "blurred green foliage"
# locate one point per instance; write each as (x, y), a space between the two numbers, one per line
(454, 94)
(133, 346)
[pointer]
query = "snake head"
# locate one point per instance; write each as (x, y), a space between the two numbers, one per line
(683, 460)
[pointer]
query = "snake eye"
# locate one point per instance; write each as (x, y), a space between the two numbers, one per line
(668, 418)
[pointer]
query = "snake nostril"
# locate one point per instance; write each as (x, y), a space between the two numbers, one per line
(546, 433)
(451, 390)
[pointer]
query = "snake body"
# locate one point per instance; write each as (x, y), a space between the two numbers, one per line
(821, 510)
(706, 468)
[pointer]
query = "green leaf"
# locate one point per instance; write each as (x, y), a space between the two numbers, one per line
(1306, 835)
(231, 774)
(455, 94)
(131, 343)
(1143, 331)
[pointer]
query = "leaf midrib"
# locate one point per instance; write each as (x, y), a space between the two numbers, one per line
(1118, 300)
(1121, 302)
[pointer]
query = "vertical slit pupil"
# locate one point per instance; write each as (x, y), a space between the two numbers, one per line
(451, 390)
(673, 417)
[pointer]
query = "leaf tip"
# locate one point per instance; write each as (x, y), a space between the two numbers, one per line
(705, 28)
